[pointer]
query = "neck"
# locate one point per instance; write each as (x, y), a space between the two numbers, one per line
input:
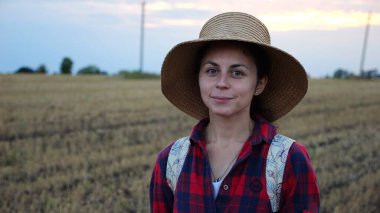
(226, 130)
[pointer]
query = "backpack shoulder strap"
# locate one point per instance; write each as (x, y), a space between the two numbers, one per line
(176, 159)
(275, 166)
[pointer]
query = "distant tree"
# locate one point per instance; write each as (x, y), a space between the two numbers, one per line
(341, 73)
(91, 70)
(41, 69)
(66, 65)
(25, 70)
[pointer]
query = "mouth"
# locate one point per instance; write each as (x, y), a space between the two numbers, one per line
(221, 99)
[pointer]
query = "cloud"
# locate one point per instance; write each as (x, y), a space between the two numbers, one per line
(298, 15)
(159, 6)
(280, 6)
(167, 5)
(311, 19)
(75, 12)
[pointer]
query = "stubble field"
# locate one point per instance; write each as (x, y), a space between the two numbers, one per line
(88, 144)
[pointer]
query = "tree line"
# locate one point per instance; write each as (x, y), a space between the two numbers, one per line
(66, 68)
(345, 74)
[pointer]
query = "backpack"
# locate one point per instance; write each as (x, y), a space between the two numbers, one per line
(274, 171)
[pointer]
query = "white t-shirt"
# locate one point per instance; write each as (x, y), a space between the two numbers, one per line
(216, 186)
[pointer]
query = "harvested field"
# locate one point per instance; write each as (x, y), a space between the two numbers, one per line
(88, 144)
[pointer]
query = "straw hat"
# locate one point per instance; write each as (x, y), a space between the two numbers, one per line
(287, 79)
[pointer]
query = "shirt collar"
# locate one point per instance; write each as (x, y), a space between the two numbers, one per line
(263, 131)
(198, 132)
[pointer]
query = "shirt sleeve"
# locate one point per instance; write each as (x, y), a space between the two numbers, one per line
(161, 195)
(300, 191)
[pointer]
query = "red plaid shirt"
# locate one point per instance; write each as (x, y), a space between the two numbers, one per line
(244, 188)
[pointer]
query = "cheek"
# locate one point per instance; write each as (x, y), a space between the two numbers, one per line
(202, 83)
(248, 91)
(205, 88)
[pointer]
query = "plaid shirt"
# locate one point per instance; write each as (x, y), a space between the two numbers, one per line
(244, 188)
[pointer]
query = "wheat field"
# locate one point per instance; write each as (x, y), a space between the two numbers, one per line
(88, 143)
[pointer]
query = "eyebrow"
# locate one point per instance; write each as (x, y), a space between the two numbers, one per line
(211, 62)
(232, 66)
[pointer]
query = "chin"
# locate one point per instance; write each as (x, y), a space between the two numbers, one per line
(223, 113)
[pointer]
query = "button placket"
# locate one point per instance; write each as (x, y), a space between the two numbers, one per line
(225, 187)
(226, 184)
(255, 185)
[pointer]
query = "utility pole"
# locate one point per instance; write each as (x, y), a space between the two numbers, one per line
(361, 69)
(142, 36)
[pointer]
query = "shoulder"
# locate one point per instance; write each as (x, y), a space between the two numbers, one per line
(297, 157)
(300, 188)
(163, 154)
(162, 159)
(298, 153)
(298, 162)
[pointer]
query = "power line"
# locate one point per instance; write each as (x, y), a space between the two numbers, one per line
(361, 69)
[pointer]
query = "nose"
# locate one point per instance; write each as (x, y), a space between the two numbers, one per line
(222, 82)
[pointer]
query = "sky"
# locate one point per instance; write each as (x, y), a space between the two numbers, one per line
(323, 35)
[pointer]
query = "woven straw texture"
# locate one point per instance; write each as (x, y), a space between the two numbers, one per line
(287, 80)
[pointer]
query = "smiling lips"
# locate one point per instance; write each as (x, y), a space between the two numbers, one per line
(221, 99)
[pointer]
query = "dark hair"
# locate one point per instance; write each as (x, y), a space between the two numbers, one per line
(255, 52)
(260, 58)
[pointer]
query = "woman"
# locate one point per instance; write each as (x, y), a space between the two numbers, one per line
(235, 83)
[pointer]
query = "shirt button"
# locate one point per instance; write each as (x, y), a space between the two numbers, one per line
(225, 187)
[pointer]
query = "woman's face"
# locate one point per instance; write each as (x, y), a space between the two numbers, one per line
(228, 80)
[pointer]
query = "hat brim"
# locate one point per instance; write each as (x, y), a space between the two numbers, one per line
(287, 80)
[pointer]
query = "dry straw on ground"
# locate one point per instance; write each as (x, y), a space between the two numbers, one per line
(87, 144)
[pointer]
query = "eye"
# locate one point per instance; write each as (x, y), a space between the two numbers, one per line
(211, 72)
(237, 74)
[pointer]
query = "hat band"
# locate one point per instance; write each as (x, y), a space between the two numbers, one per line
(232, 37)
